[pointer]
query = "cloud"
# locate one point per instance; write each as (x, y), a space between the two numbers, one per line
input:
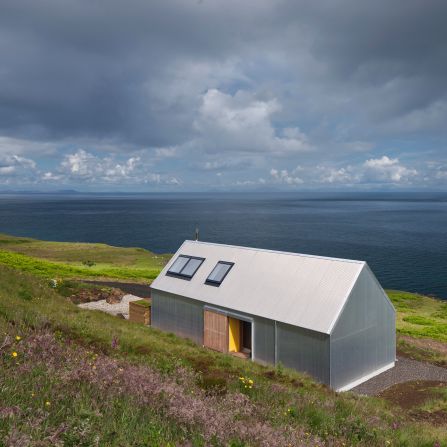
(83, 167)
(383, 170)
(222, 164)
(187, 89)
(387, 170)
(20, 146)
(334, 175)
(15, 168)
(243, 123)
(285, 177)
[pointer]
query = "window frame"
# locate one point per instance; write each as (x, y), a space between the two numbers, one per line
(214, 283)
(182, 275)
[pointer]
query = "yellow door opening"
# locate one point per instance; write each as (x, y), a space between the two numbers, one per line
(234, 339)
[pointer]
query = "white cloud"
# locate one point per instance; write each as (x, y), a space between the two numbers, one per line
(283, 176)
(82, 166)
(243, 123)
(387, 170)
(6, 170)
(224, 164)
(384, 170)
(16, 168)
(329, 174)
(50, 176)
(437, 171)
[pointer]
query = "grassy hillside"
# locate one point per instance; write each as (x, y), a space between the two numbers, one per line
(74, 377)
(71, 260)
(421, 324)
(420, 316)
(81, 393)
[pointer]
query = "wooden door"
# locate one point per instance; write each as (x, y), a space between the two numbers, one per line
(215, 331)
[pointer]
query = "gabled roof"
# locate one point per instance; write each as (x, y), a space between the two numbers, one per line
(301, 290)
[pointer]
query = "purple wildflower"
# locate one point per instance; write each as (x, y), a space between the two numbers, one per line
(114, 343)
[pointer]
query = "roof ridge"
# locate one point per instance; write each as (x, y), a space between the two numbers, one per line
(289, 253)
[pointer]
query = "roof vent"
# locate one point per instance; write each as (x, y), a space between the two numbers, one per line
(196, 236)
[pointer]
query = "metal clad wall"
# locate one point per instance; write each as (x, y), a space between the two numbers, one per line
(181, 316)
(304, 350)
(364, 338)
(297, 348)
(264, 340)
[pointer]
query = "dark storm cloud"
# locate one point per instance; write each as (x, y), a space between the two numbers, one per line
(85, 68)
(269, 80)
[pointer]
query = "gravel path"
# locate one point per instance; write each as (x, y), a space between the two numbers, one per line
(113, 309)
(405, 370)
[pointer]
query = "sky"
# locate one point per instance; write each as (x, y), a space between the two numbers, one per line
(211, 95)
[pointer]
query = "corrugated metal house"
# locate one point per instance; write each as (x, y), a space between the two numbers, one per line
(324, 316)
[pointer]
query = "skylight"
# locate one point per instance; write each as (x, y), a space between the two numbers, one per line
(219, 272)
(185, 266)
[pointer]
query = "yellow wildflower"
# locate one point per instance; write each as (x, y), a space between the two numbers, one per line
(47, 403)
(18, 337)
(14, 354)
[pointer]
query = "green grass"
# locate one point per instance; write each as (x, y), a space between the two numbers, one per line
(81, 415)
(60, 270)
(410, 348)
(438, 402)
(420, 316)
(143, 303)
(70, 287)
(28, 307)
(68, 260)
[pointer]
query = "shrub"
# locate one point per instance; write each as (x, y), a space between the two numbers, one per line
(89, 263)
(213, 384)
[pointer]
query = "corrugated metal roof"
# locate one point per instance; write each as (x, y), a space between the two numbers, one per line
(302, 290)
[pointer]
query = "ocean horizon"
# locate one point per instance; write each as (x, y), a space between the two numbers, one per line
(402, 235)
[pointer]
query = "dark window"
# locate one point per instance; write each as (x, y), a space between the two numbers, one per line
(219, 272)
(185, 266)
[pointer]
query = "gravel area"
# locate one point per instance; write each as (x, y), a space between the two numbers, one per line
(113, 309)
(405, 370)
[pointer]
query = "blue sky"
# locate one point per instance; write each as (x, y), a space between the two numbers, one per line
(223, 96)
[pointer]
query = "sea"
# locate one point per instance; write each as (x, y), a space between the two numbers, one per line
(402, 236)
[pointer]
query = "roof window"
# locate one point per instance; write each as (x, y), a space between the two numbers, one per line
(185, 266)
(218, 273)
